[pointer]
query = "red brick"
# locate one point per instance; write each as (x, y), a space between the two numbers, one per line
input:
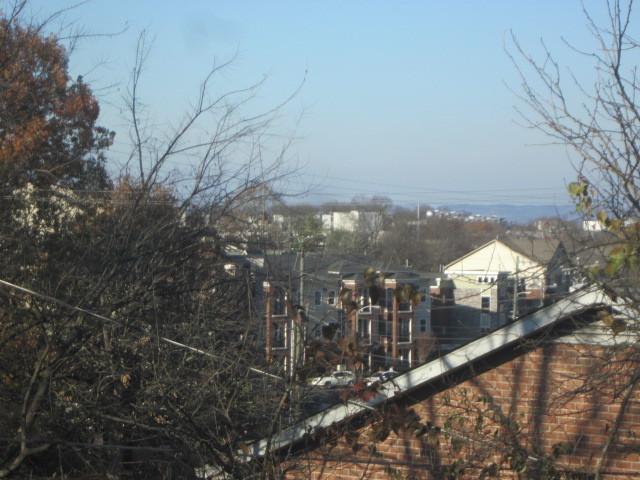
(519, 388)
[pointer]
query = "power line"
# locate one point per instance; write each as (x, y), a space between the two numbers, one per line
(42, 441)
(491, 191)
(136, 329)
(508, 191)
(442, 196)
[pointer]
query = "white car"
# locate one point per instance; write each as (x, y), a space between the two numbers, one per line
(335, 379)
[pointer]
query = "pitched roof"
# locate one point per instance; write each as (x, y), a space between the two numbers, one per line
(591, 249)
(535, 249)
(502, 339)
(539, 249)
(331, 266)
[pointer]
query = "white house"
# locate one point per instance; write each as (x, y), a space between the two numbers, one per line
(352, 221)
(504, 279)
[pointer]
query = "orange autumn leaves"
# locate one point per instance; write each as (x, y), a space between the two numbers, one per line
(47, 122)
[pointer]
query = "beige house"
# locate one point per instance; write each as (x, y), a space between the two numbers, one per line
(504, 279)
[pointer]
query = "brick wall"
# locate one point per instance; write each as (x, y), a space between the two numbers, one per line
(559, 402)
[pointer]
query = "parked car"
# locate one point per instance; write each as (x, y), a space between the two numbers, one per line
(336, 379)
(381, 377)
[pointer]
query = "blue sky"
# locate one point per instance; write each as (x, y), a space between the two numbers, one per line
(400, 98)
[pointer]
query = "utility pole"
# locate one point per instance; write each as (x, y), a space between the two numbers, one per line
(515, 290)
(418, 223)
(297, 322)
(298, 335)
(307, 238)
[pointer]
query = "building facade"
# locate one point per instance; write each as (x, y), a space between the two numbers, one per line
(503, 280)
(391, 331)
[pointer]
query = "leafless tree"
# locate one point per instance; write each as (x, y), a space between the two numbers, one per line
(160, 366)
(598, 120)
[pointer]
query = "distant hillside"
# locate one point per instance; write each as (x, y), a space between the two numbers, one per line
(516, 213)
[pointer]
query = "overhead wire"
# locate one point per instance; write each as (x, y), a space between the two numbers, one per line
(532, 196)
(102, 196)
(42, 441)
(134, 328)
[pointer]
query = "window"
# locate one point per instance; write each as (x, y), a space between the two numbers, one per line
(279, 303)
(423, 325)
(485, 315)
(363, 328)
(501, 318)
(384, 328)
(485, 321)
(389, 298)
(405, 357)
(365, 298)
(279, 335)
(485, 303)
(317, 297)
(331, 297)
(404, 329)
(486, 279)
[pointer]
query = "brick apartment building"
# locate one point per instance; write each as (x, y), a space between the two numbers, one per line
(391, 332)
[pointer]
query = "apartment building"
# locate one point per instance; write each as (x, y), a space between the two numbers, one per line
(305, 294)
